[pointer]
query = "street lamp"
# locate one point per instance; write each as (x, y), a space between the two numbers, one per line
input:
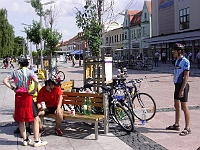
(30, 52)
(47, 3)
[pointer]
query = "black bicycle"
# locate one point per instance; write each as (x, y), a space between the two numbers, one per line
(118, 109)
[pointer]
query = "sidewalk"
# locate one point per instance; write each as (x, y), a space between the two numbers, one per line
(158, 84)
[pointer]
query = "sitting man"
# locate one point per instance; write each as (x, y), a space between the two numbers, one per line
(51, 94)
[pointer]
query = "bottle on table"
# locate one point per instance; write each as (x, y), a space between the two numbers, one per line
(89, 107)
(84, 106)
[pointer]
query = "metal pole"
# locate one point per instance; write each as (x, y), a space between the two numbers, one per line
(42, 64)
(31, 56)
(129, 37)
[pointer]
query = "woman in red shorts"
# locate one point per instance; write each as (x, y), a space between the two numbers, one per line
(23, 97)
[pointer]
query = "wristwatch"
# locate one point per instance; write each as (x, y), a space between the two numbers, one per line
(12, 87)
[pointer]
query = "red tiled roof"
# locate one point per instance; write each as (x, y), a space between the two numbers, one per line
(132, 13)
(149, 6)
(136, 20)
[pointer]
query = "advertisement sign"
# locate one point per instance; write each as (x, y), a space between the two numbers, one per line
(108, 68)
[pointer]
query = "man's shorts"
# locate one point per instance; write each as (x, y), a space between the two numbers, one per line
(176, 92)
(35, 110)
(50, 110)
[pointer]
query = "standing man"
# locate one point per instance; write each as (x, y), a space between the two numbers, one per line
(164, 57)
(156, 58)
(198, 59)
(181, 74)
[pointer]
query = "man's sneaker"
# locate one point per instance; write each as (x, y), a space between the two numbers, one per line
(17, 131)
(58, 132)
(40, 143)
(27, 142)
(42, 132)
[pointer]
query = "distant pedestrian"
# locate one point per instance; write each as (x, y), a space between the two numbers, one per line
(190, 56)
(73, 60)
(11, 63)
(156, 58)
(181, 75)
(198, 59)
(164, 58)
(66, 58)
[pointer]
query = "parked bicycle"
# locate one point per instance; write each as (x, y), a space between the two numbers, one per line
(141, 102)
(118, 109)
(138, 102)
(59, 73)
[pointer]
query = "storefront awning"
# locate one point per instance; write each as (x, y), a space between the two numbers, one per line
(77, 52)
(178, 37)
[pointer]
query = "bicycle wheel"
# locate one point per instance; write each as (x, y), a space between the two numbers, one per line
(144, 102)
(61, 75)
(123, 118)
(149, 66)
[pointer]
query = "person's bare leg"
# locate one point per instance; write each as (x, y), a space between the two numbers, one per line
(22, 129)
(59, 119)
(36, 126)
(186, 111)
(177, 106)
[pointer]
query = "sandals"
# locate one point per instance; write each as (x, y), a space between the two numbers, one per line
(185, 132)
(173, 127)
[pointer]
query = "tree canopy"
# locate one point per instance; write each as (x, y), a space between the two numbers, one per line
(6, 35)
(92, 28)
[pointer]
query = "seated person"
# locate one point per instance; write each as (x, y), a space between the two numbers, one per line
(32, 67)
(51, 94)
(120, 72)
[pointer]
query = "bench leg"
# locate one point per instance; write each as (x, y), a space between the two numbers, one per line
(106, 126)
(96, 130)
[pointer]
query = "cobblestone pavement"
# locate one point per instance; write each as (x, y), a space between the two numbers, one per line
(158, 83)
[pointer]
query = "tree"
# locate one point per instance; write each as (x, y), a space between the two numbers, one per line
(20, 46)
(6, 35)
(33, 33)
(92, 28)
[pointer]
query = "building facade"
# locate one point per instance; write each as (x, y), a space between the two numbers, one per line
(175, 21)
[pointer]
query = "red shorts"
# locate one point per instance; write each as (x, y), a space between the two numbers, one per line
(23, 107)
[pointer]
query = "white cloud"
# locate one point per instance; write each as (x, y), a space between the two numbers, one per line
(21, 12)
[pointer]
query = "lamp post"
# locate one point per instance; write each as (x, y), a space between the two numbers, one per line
(47, 3)
(30, 52)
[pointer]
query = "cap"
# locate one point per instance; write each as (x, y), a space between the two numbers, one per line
(23, 60)
(177, 46)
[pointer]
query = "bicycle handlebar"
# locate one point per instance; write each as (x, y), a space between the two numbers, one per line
(134, 81)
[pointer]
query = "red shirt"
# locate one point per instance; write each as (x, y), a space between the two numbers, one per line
(50, 98)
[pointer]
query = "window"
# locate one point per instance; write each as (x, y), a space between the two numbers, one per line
(106, 39)
(145, 16)
(144, 31)
(134, 34)
(125, 35)
(184, 18)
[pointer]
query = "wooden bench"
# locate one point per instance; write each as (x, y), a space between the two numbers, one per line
(67, 85)
(76, 99)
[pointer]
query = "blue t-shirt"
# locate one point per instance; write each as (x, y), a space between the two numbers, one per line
(181, 65)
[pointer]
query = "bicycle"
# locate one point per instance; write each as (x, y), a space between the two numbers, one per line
(58, 73)
(141, 102)
(118, 110)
